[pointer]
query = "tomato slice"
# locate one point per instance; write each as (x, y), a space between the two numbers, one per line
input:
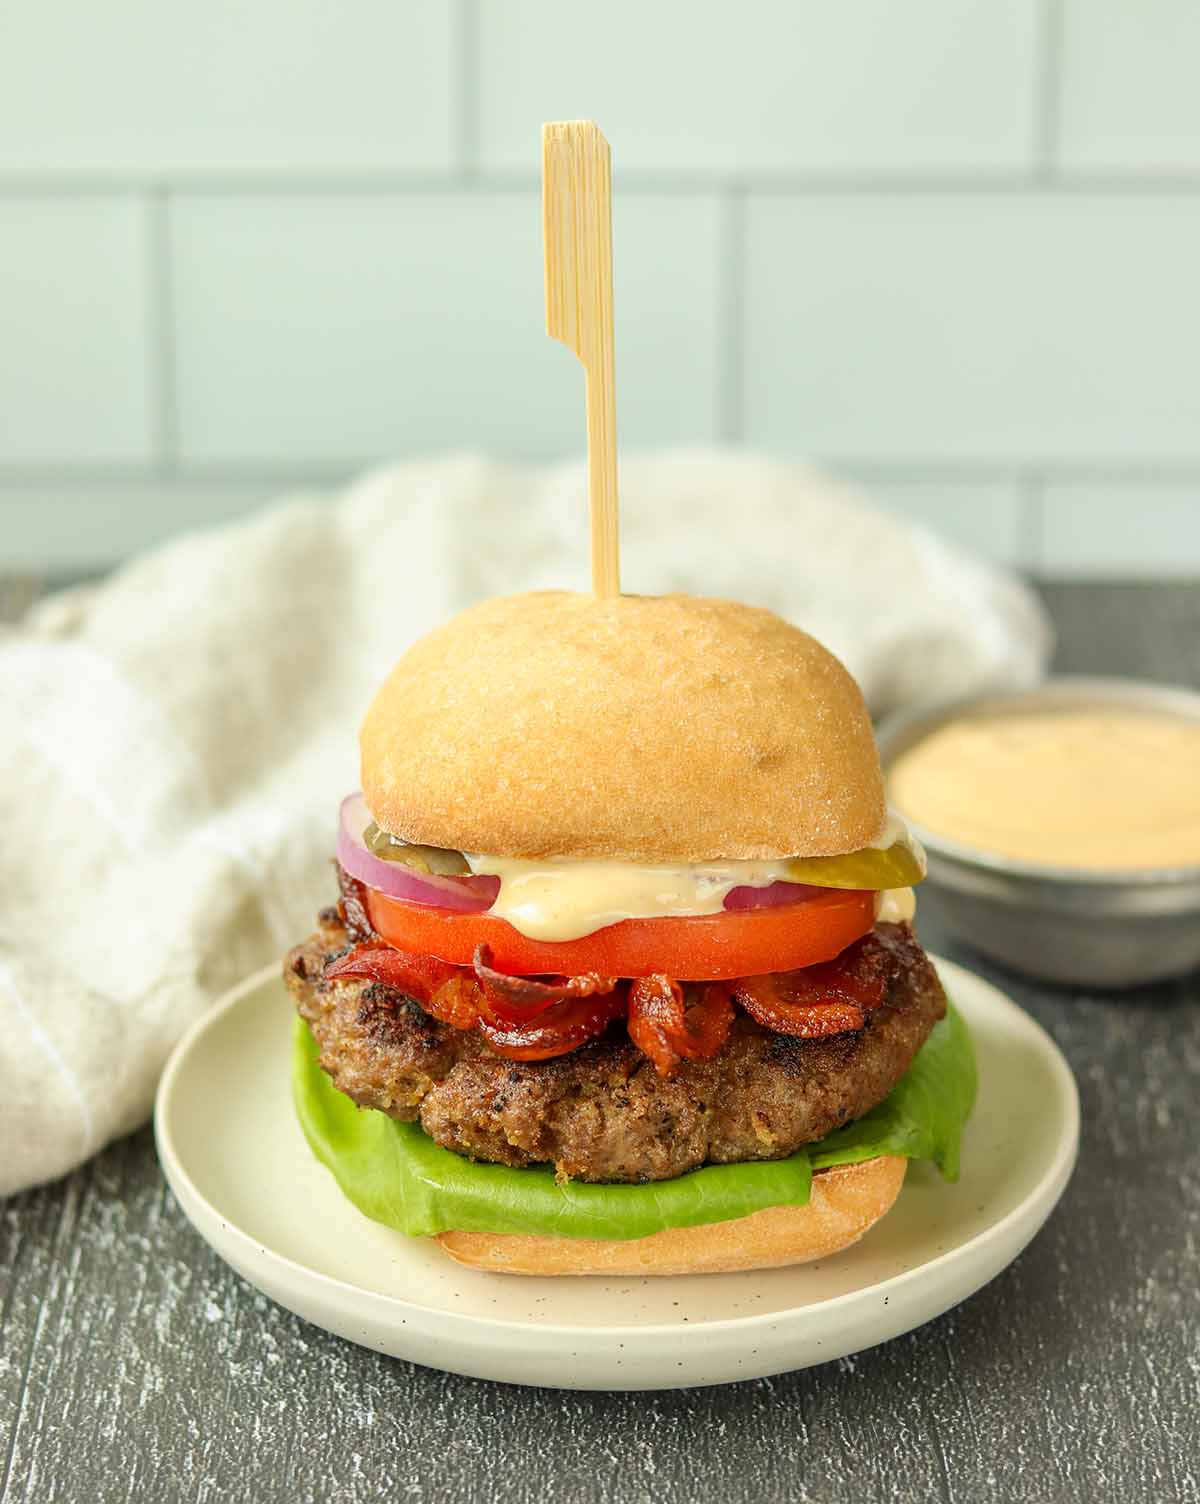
(696, 948)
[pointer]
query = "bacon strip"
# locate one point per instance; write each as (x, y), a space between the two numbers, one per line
(436, 985)
(831, 998)
(562, 1027)
(517, 1000)
(860, 974)
(527, 1018)
(456, 1002)
(564, 1015)
(419, 975)
(669, 1026)
(353, 906)
(767, 1002)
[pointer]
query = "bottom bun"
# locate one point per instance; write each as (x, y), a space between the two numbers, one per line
(845, 1202)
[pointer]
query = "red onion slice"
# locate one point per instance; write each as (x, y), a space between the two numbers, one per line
(471, 895)
(773, 896)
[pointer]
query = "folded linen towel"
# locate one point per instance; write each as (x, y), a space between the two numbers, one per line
(175, 741)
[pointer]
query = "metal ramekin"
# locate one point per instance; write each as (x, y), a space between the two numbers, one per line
(1065, 924)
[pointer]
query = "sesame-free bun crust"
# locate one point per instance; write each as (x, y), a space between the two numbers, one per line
(845, 1202)
(641, 728)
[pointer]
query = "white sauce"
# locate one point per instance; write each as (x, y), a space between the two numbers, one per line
(895, 906)
(894, 830)
(565, 900)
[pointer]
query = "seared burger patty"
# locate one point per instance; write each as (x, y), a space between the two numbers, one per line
(603, 1113)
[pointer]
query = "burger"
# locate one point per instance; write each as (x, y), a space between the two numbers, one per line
(622, 976)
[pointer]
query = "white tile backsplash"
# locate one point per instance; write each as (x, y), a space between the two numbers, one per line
(774, 86)
(987, 517)
(1130, 95)
(94, 524)
(74, 332)
(415, 322)
(1101, 530)
(949, 246)
(1020, 329)
(161, 86)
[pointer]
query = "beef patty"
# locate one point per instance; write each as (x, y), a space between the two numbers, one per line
(603, 1113)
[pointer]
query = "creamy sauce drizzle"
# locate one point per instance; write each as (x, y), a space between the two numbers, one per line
(895, 906)
(565, 900)
(894, 830)
(1112, 789)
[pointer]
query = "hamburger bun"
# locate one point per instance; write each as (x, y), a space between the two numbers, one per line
(642, 728)
(845, 1202)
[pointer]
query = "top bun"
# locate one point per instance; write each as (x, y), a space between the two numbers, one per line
(641, 728)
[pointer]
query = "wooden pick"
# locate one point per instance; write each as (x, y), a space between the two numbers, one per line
(577, 226)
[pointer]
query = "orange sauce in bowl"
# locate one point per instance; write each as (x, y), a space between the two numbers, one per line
(1106, 788)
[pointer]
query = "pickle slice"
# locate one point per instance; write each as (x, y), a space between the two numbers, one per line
(433, 859)
(899, 866)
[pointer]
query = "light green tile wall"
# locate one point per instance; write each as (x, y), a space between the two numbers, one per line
(948, 247)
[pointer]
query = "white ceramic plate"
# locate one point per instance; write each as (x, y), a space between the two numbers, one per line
(235, 1157)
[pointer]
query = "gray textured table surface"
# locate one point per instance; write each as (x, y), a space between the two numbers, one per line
(134, 1365)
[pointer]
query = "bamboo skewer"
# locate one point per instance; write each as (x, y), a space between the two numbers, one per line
(577, 227)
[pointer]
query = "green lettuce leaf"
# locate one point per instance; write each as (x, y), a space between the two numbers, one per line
(396, 1174)
(923, 1116)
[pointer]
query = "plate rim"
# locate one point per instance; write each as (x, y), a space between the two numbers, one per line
(1044, 1196)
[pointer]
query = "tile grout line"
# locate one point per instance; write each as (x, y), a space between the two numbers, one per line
(249, 475)
(730, 404)
(1032, 522)
(471, 179)
(1151, 472)
(1047, 87)
(467, 76)
(162, 335)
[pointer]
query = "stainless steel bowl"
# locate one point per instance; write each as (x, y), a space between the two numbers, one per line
(1065, 924)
